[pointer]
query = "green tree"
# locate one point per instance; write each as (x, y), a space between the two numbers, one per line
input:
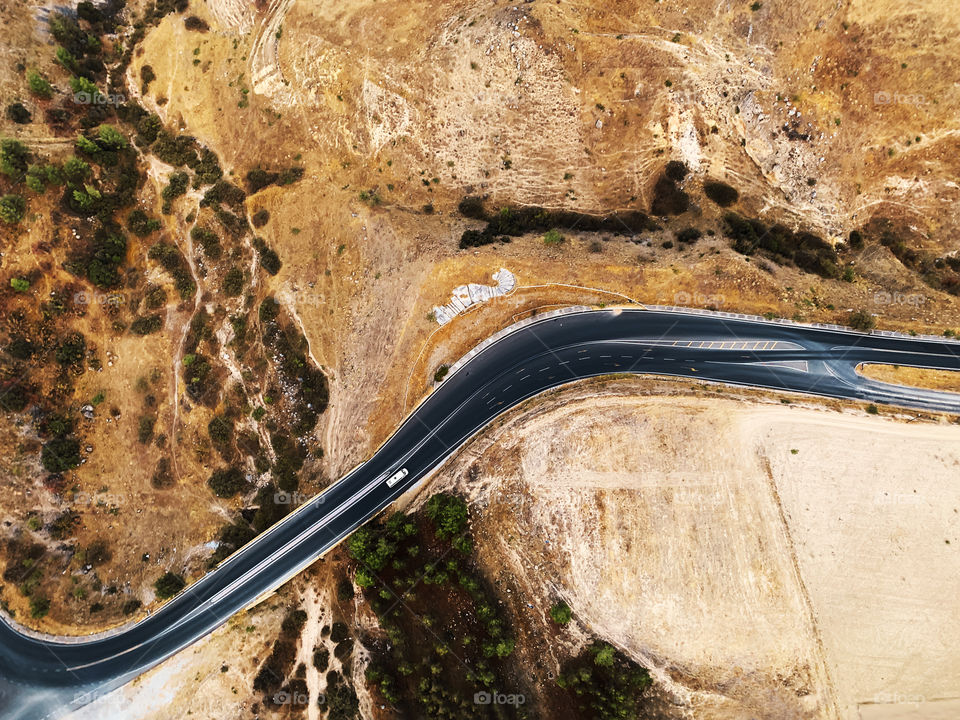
(66, 59)
(561, 613)
(86, 145)
(168, 585)
(37, 178)
(13, 158)
(38, 85)
(39, 606)
(12, 208)
(82, 85)
(111, 138)
(603, 655)
(75, 169)
(448, 513)
(227, 482)
(861, 320)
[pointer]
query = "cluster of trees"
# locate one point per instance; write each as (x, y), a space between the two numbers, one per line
(604, 684)
(276, 668)
(940, 273)
(807, 251)
(510, 222)
(258, 178)
(395, 557)
(306, 382)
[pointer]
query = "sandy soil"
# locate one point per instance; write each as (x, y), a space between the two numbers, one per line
(914, 377)
(708, 537)
(211, 679)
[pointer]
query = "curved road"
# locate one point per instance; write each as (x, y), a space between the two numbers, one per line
(40, 678)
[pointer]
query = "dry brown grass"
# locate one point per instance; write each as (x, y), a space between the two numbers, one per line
(914, 377)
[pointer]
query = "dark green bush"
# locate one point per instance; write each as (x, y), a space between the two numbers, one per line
(227, 482)
(146, 325)
(168, 585)
(722, 194)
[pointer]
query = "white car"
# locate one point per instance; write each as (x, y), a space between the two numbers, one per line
(397, 477)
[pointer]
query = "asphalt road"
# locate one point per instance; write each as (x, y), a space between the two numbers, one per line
(44, 679)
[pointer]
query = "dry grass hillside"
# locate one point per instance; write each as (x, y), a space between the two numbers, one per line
(826, 118)
(397, 112)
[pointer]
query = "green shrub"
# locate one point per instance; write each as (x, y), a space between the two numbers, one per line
(208, 240)
(14, 157)
(722, 194)
(148, 127)
(20, 284)
(146, 325)
(269, 260)
(12, 208)
(220, 430)
(861, 320)
(140, 224)
(561, 613)
(177, 186)
(552, 237)
(38, 85)
(60, 454)
(168, 585)
(147, 76)
(227, 482)
(145, 429)
(71, 350)
(233, 282)
(668, 198)
(17, 113)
